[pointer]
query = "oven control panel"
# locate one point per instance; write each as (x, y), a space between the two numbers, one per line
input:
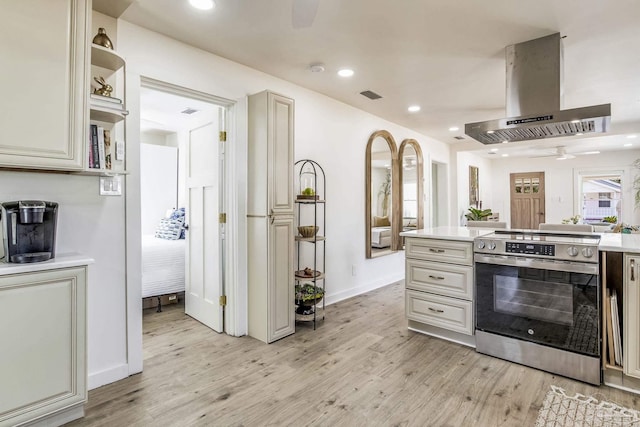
(530, 248)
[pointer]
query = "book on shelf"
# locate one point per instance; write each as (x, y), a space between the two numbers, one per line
(94, 156)
(101, 150)
(107, 148)
(107, 99)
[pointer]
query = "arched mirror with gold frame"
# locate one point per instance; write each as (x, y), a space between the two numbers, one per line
(410, 187)
(381, 195)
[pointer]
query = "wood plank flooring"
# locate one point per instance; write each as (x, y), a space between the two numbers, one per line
(361, 367)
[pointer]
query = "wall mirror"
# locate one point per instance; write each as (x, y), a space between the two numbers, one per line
(382, 198)
(410, 171)
(474, 187)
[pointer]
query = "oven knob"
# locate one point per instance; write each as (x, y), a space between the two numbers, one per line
(531, 332)
(480, 244)
(492, 245)
(587, 252)
(572, 251)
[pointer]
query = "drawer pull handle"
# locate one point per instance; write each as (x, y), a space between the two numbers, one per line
(633, 267)
(436, 277)
(438, 251)
(436, 310)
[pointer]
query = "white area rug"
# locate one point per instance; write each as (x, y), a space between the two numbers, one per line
(559, 409)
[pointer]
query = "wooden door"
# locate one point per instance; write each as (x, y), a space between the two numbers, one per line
(527, 200)
(203, 276)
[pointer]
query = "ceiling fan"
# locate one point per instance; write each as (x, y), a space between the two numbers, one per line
(303, 13)
(561, 154)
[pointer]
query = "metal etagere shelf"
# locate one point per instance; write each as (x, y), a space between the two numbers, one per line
(310, 242)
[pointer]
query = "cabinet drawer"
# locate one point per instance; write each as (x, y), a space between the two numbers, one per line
(444, 312)
(439, 278)
(448, 251)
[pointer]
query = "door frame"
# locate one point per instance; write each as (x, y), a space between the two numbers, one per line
(235, 276)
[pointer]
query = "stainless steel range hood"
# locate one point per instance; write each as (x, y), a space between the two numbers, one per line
(534, 91)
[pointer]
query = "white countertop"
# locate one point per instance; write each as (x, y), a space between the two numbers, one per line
(60, 261)
(614, 242)
(449, 233)
(619, 242)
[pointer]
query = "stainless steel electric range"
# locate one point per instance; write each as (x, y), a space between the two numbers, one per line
(538, 300)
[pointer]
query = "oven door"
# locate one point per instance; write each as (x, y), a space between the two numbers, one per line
(553, 303)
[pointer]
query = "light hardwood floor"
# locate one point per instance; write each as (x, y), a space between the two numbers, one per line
(361, 367)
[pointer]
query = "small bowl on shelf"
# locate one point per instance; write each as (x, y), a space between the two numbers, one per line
(308, 230)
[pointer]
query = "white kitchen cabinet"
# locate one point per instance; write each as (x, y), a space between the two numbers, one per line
(439, 295)
(44, 84)
(631, 316)
(270, 217)
(43, 358)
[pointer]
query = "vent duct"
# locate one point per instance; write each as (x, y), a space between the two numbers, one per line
(533, 104)
(371, 95)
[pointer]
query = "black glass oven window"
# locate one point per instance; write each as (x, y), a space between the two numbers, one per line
(559, 309)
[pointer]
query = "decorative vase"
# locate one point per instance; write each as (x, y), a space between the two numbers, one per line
(103, 39)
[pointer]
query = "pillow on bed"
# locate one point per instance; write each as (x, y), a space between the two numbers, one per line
(381, 221)
(179, 214)
(170, 228)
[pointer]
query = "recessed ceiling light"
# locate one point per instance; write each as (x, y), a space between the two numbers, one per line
(345, 72)
(579, 133)
(414, 108)
(454, 128)
(575, 121)
(590, 152)
(628, 145)
(505, 155)
(495, 149)
(202, 4)
(632, 136)
(505, 142)
(490, 131)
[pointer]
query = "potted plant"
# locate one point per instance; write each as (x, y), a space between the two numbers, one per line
(610, 219)
(478, 214)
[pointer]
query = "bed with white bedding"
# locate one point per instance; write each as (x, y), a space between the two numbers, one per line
(162, 266)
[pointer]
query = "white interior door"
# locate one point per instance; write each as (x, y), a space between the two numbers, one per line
(203, 272)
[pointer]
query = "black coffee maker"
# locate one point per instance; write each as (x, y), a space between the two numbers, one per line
(29, 230)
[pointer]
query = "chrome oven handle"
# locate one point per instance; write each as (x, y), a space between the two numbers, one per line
(541, 264)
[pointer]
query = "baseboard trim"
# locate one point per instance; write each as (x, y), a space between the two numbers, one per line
(108, 376)
(359, 290)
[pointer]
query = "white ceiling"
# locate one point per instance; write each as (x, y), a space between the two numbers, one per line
(447, 56)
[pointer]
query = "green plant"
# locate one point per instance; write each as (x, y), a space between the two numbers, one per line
(572, 220)
(478, 214)
(610, 219)
(308, 191)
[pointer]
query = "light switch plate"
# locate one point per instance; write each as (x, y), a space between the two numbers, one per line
(110, 185)
(119, 150)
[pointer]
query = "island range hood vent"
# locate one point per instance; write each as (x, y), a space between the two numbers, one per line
(534, 90)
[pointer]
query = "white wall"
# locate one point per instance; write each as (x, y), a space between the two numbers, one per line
(158, 184)
(560, 182)
(330, 132)
(486, 186)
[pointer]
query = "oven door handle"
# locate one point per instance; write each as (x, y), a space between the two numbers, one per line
(518, 261)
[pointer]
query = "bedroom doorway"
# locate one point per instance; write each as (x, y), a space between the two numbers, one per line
(182, 179)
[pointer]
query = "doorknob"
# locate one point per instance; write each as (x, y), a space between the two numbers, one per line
(186, 226)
